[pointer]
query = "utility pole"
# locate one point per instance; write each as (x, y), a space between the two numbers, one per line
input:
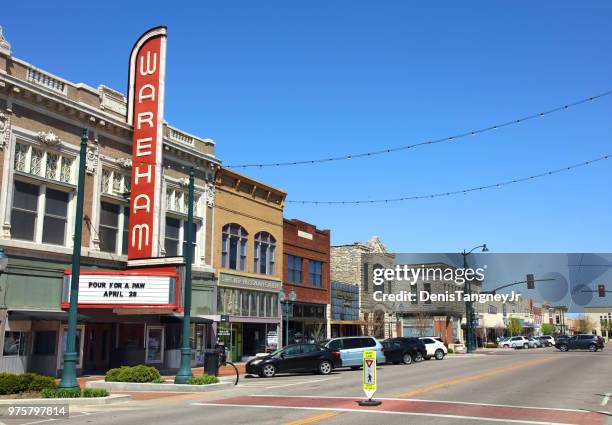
(70, 351)
(184, 372)
(469, 310)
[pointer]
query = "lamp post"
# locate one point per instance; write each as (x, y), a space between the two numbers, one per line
(184, 372)
(469, 311)
(286, 303)
(70, 354)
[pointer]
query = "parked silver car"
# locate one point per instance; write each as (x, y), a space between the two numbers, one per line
(515, 342)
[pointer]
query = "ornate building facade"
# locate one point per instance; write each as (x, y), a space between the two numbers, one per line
(42, 118)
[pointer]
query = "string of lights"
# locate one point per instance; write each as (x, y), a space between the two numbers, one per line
(455, 192)
(427, 142)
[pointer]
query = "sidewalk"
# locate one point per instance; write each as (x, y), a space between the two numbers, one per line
(197, 371)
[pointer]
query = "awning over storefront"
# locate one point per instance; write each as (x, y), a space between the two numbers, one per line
(42, 315)
(349, 322)
(175, 318)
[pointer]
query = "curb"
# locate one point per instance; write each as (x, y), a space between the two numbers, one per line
(81, 401)
(145, 386)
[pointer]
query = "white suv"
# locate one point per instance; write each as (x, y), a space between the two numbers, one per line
(515, 342)
(548, 339)
(435, 347)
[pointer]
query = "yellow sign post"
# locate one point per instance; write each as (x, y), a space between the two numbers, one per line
(369, 378)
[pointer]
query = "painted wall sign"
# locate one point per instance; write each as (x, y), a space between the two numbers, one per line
(145, 113)
(125, 289)
(245, 282)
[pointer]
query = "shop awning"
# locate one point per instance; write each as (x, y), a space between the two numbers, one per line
(349, 322)
(176, 318)
(42, 315)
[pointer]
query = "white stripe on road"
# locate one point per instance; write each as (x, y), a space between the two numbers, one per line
(428, 401)
(606, 399)
(282, 384)
(388, 412)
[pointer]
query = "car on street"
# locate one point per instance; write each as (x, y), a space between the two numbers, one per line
(418, 345)
(435, 348)
(581, 342)
(515, 342)
(398, 350)
(295, 358)
(351, 349)
(535, 342)
(547, 340)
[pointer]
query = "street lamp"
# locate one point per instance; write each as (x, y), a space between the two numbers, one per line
(70, 354)
(287, 304)
(469, 311)
(184, 372)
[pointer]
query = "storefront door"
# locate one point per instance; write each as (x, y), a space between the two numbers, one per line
(236, 342)
(97, 347)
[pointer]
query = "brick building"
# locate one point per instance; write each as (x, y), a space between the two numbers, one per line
(248, 257)
(42, 117)
(306, 252)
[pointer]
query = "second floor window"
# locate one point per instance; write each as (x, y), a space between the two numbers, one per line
(294, 269)
(115, 183)
(234, 247)
(114, 228)
(42, 163)
(263, 256)
(175, 241)
(172, 241)
(39, 213)
(314, 273)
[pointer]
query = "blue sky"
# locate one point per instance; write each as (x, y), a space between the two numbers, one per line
(297, 80)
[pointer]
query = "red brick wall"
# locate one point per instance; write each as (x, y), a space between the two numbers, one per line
(316, 249)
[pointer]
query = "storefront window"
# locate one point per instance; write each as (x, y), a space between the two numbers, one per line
(254, 298)
(78, 345)
(16, 343)
(262, 306)
(245, 303)
(155, 344)
(44, 343)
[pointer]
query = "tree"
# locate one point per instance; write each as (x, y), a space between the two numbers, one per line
(515, 326)
(424, 323)
(585, 325)
(547, 328)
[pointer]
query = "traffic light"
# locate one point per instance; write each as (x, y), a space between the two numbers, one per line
(530, 282)
(601, 289)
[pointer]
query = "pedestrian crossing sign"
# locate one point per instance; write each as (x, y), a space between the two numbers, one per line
(369, 373)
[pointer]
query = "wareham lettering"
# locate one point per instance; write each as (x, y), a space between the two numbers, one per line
(147, 63)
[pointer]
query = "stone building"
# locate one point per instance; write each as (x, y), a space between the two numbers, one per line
(42, 118)
(248, 246)
(350, 265)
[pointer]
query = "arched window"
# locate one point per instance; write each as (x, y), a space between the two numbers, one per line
(234, 247)
(263, 258)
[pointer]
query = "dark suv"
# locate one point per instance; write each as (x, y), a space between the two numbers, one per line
(580, 342)
(402, 345)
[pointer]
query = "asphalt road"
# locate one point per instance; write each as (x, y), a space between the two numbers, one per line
(516, 386)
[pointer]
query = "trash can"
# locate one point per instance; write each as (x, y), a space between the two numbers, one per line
(211, 362)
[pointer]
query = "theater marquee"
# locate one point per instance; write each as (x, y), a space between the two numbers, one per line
(141, 288)
(145, 114)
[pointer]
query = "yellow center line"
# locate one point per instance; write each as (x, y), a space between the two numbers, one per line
(475, 377)
(313, 419)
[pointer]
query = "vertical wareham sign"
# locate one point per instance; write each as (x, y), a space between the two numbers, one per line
(145, 114)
